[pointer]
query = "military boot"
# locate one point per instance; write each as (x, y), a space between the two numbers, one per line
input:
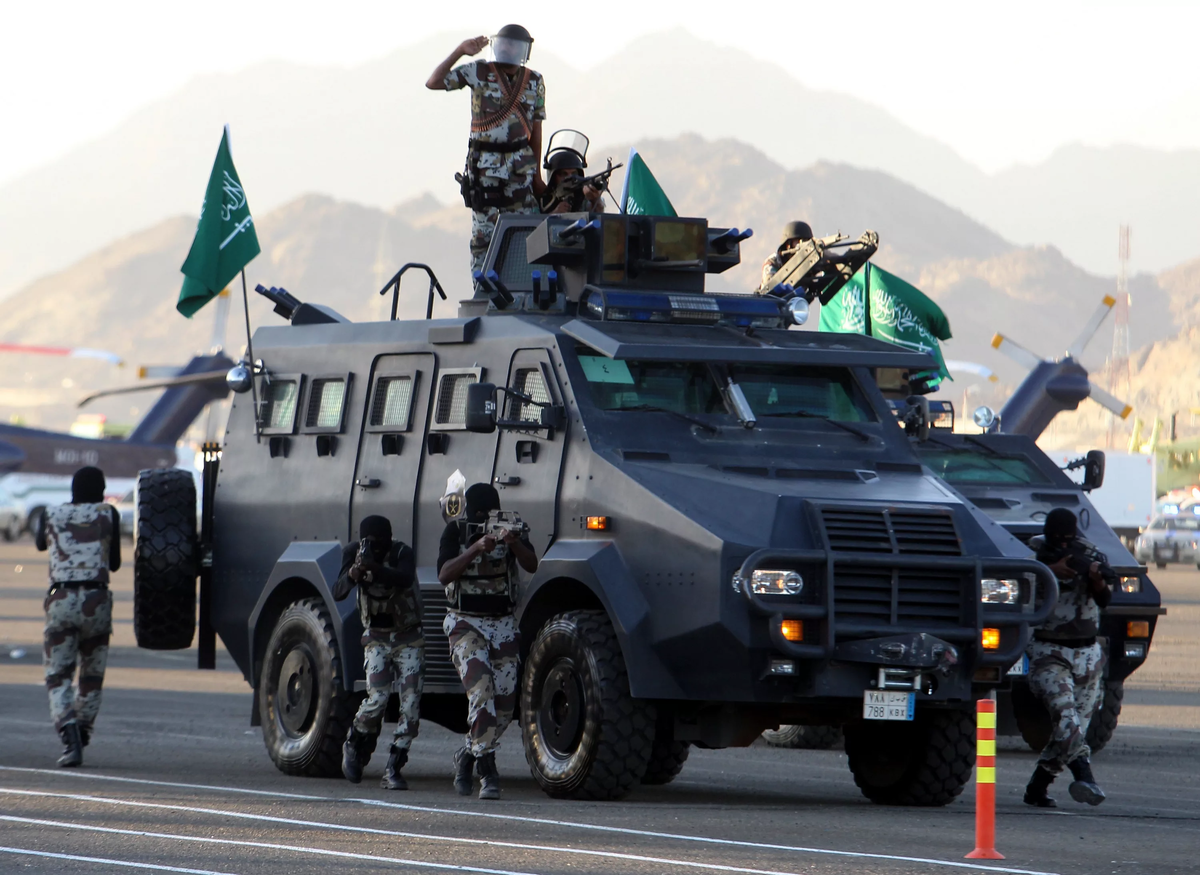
(489, 778)
(1035, 792)
(1084, 788)
(464, 764)
(72, 754)
(85, 734)
(352, 764)
(392, 779)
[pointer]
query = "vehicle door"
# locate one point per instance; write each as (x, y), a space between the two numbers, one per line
(528, 461)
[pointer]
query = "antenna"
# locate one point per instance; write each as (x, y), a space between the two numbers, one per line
(1118, 370)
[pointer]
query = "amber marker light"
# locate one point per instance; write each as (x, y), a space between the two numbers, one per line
(991, 639)
(1137, 629)
(793, 630)
(597, 524)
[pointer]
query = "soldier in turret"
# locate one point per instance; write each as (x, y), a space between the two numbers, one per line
(84, 544)
(1066, 663)
(794, 233)
(479, 571)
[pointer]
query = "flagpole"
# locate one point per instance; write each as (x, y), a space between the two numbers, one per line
(250, 352)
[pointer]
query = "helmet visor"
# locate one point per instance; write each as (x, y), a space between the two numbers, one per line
(507, 50)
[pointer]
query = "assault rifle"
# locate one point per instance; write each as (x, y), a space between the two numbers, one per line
(571, 189)
(818, 268)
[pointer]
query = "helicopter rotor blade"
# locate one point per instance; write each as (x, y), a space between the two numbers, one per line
(1109, 402)
(1075, 350)
(1016, 352)
(955, 366)
(188, 380)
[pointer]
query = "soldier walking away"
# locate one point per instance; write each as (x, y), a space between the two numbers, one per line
(393, 645)
(794, 233)
(84, 546)
(508, 105)
(1066, 663)
(478, 567)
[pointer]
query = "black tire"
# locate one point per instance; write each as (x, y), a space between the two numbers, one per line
(803, 737)
(165, 560)
(1104, 721)
(667, 755)
(1161, 565)
(925, 762)
(13, 530)
(305, 713)
(585, 736)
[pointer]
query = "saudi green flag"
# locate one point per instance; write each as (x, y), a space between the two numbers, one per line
(900, 313)
(642, 195)
(225, 241)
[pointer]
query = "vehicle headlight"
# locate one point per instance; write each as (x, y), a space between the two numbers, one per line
(999, 591)
(764, 582)
(1131, 584)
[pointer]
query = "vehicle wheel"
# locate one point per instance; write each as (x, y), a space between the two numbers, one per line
(165, 560)
(1033, 720)
(1104, 721)
(305, 712)
(586, 737)
(667, 756)
(1160, 564)
(925, 762)
(804, 737)
(13, 530)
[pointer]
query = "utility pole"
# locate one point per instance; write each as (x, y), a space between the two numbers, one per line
(1118, 370)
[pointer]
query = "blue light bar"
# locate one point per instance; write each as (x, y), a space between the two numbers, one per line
(740, 311)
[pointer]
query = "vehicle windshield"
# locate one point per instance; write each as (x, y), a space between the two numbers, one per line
(1190, 524)
(693, 388)
(968, 466)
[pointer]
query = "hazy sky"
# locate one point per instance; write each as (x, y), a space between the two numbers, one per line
(1000, 82)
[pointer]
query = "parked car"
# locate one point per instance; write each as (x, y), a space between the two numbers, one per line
(1171, 537)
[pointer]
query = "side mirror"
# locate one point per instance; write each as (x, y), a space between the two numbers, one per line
(916, 417)
(1093, 470)
(481, 408)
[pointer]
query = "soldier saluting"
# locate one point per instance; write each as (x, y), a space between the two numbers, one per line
(83, 539)
(508, 105)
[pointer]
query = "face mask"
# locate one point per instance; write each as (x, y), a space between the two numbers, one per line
(510, 51)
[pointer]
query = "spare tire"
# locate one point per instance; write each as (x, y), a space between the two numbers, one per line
(804, 737)
(166, 558)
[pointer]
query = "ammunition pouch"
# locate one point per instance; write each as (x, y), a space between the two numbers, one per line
(476, 196)
(486, 604)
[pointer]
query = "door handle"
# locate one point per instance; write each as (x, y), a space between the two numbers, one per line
(368, 482)
(508, 481)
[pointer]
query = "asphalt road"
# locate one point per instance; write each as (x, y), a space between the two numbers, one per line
(177, 781)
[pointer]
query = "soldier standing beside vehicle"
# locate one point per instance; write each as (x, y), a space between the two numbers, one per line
(479, 572)
(84, 546)
(794, 233)
(508, 105)
(1066, 663)
(392, 641)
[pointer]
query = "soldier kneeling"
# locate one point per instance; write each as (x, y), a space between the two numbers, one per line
(479, 570)
(392, 641)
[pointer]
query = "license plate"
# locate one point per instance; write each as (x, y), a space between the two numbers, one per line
(888, 705)
(1021, 666)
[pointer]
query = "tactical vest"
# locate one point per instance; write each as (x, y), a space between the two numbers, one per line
(79, 538)
(394, 612)
(489, 584)
(1075, 615)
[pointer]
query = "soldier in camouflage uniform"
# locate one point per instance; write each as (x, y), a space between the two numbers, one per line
(1066, 663)
(479, 572)
(793, 234)
(83, 540)
(393, 645)
(508, 105)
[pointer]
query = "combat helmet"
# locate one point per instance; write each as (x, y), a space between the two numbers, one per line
(512, 44)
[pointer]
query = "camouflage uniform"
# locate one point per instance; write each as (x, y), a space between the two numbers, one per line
(78, 608)
(1066, 667)
(503, 178)
(485, 643)
(771, 266)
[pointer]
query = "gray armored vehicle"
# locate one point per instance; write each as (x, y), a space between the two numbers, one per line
(732, 529)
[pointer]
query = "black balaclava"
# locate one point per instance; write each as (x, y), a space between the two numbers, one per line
(1060, 525)
(377, 527)
(481, 498)
(87, 486)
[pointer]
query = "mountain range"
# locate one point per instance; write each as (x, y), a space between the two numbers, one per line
(373, 135)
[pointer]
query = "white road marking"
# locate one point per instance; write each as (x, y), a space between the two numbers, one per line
(299, 849)
(128, 864)
(517, 818)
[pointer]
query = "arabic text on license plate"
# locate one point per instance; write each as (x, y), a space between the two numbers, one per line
(1021, 666)
(879, 705)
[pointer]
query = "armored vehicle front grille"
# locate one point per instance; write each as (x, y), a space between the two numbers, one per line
(438, 667)
(514, 271)
(891, 530)
(906, 597)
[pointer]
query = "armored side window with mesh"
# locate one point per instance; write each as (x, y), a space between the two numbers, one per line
(511, 263)
(528, 381)
(279, 401)
(325, 404)
(452, 399)
(391, 402)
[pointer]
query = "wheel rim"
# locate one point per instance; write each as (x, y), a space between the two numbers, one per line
(296, 693)
(560, 715)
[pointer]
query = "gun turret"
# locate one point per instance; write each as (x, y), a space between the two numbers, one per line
(818, 268)
(296, 311)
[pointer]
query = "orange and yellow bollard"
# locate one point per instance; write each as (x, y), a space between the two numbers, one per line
(985, 782)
